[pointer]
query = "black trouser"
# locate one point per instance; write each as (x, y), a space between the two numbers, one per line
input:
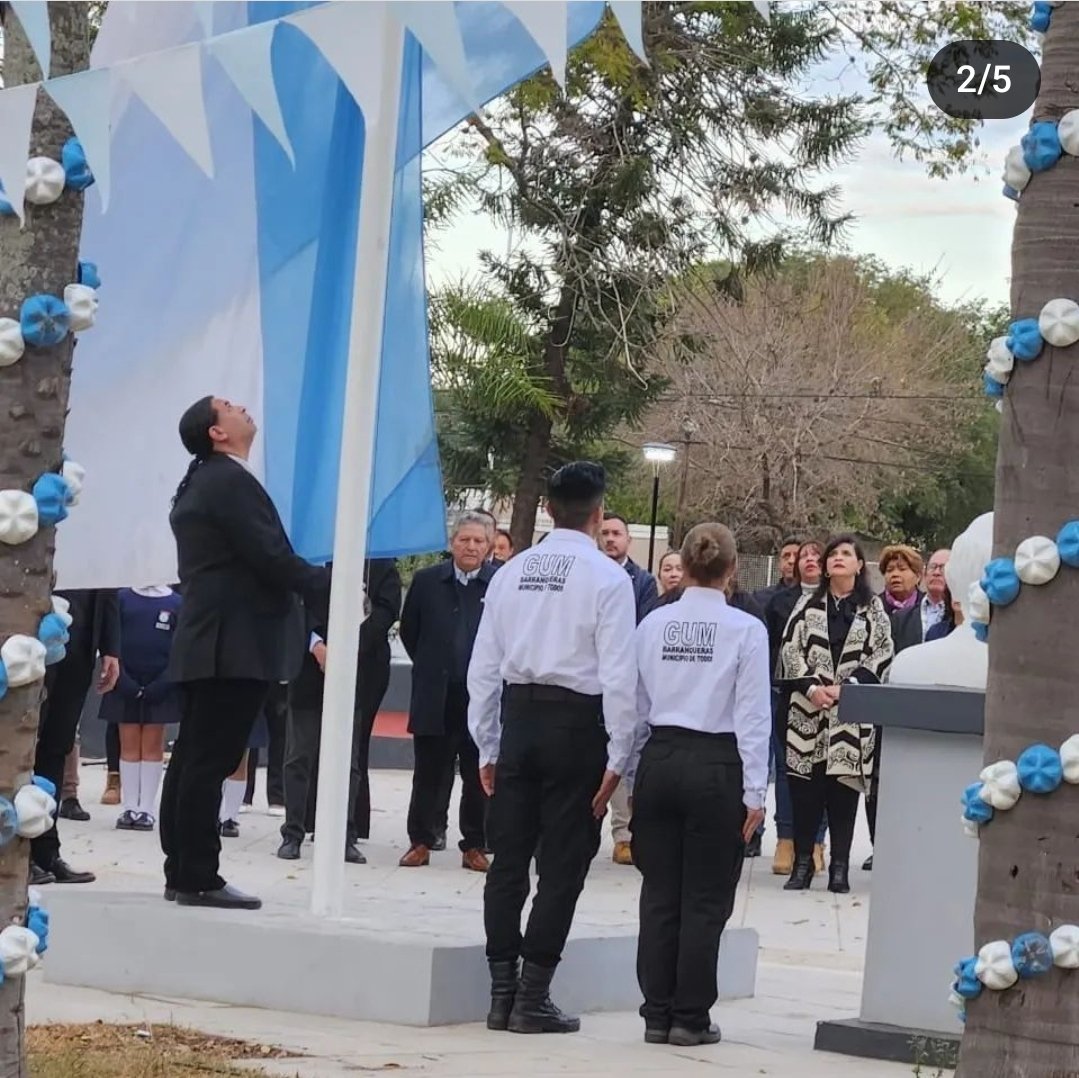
(301, 772)
(687, 842)
(809, 799)
(66, 686)
(436, 757)
(276, 725)
(874, 788)
(112, 747)
(550, 765)
(217, 720)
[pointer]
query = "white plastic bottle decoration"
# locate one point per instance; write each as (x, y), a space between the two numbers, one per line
(35, 809)
(1001, 361)
(75, 474)
(18, 950)
(1068, 130)
(994, 967)
(12, 345)
(24, 660)
(1037, 560)
(45, 180)
(1059, 322)
(1000, 784)
(1065, 944)
(81, 301)
(978, 602)
(18, 517)
(1016, 172)
(1069, 759)
(61, 607)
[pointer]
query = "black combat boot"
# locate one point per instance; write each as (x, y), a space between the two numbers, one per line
(802, 876)
(533, 1011)
(503, 992)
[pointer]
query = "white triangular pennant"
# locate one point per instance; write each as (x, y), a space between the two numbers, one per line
(86, 99)
(630, 14)
(763, 9)
(433, 23)
(246, 57)
(33, 16)
(546, 23)
(204, 9)
(16, 119)
(349, 36)
(170, 85)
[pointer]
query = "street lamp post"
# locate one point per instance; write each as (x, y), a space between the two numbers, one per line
(657, 454)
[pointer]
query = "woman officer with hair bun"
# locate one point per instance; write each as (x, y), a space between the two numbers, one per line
(704, 691)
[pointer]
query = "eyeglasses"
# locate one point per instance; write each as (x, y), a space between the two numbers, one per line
(936, 567)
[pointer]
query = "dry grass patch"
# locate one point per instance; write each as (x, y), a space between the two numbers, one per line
(140, 1051)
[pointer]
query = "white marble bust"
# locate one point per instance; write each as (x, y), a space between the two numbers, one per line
(960, 660)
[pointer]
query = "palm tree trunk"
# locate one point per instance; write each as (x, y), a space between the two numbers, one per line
(1028, 869)
(42, 257)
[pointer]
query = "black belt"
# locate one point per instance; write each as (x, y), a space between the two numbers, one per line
(549, 694)
(701, 737)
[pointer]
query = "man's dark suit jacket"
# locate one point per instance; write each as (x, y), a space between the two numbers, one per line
(241, 581)
(383, 584)
(95, 623)
(427, 624)
(645, 589)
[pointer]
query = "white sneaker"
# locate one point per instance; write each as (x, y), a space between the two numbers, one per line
(276, 810)
(245, 808)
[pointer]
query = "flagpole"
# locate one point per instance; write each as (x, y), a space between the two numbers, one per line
(354, 478)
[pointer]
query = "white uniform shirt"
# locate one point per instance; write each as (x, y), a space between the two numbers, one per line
(560, 614)
(704, 666)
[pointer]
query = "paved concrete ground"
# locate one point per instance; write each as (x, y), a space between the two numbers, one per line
(811, 959)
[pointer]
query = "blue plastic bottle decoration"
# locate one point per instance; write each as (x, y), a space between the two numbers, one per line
(966, 984)
(1041, 146)
(6, 208)
(974, 808)
(76, 170)
(1025, 340)
(1010, 192)
(1068, 544)
(1032, 954)
(53, 633)
(993, 388)
(3, 691)
(1040, 769)
(44, 320)
(37, 920)
(1040, 16)
(9, 821)
(88, 274)
(51, 493)
(45, 784)
(1000, 581)
(981, 631)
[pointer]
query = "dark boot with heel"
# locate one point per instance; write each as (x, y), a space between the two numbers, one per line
(802, 876)
(839, 877)
(503, 993)
(533, 1011)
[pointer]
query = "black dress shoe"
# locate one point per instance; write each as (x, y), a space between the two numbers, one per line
(39, 877)
(867, 864)
(229, 829)
(64, 873)
(70, 809)
(690, 1038)
(224, 898)
(838, 878)
(753, 846)
(353, 855)
(289, 850)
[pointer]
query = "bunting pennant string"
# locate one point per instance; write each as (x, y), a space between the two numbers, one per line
(169, 81)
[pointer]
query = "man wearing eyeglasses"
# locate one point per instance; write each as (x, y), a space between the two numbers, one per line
(909, 627)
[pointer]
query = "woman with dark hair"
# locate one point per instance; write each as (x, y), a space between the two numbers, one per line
(838, 634)
(670, 572)
(703, 689)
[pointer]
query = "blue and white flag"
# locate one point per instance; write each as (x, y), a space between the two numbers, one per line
(227, 269)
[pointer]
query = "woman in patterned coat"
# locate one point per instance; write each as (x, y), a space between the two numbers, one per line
(838, 634)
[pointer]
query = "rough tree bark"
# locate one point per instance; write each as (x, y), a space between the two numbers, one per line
(1028, 870)
(42, 257)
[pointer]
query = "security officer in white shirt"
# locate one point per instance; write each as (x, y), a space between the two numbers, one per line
(704, 690)
(554, 660)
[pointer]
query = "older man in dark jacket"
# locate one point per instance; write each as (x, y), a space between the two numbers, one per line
(382, 592)
(438, 628)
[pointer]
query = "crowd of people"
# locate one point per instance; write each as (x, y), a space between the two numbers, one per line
(557, 684)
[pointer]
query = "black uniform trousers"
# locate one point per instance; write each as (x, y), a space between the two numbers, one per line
(436, 756)
(809, 799)
(550, 765)
(277, 728)
(66, 686)
(687, 843)
(218, 715)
